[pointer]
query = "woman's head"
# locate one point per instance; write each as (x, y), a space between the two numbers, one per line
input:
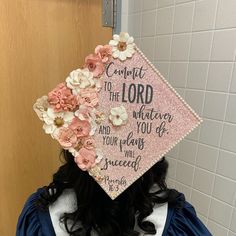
(96, 210)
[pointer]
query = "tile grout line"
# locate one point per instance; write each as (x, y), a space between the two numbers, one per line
(169, 66)
(141, 20)
(155, 41)
(198, 31)
(193, 61)
(186, 82)
(217, 158)
(206, 195)
(171, 41)
(209, 172)
(227, 100)
(211, 91)
(208, 69)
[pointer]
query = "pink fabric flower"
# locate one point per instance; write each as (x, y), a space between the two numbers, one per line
(67, 138)
(88, 97)
(61, 98)
(89, 143)
(83, 113)
(85, 159)
(80, 127)
(94, 64)
(104, 52)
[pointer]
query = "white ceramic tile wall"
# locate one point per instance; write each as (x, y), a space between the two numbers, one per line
(193, 44)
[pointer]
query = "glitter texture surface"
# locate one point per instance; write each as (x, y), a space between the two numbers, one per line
(126, 159)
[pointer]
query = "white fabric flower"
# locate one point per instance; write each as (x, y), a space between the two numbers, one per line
(80, 79)
(41, 106)
(122, 46)
(73, 152)
(118, 115)
(55, 120)
(98, 83)
(99, 155)
(94, 127)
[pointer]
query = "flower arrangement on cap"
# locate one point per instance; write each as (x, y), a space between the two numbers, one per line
(70, 111)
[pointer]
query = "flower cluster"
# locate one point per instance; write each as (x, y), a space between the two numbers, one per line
(70, 111)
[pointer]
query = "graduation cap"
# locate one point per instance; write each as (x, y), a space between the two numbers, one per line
(117, 115)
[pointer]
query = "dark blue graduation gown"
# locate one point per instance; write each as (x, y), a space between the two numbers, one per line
(179, 222)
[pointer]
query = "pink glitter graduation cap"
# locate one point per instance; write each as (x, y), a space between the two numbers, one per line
(117, 115)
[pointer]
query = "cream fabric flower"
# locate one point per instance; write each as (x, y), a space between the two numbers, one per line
(41, 106)
(80, 79)
(73, 151)
(118, 116)
(98, 83)
(122, 46)
(55, 120)
(98, 116)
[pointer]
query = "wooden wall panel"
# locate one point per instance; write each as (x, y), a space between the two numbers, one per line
(41, 41)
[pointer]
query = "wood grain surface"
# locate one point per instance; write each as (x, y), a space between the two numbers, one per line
(41, 41)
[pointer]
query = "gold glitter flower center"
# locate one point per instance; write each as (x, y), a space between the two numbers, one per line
(59, 122)
(122, 46)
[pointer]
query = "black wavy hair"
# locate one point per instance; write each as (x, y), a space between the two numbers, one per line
(97, 211)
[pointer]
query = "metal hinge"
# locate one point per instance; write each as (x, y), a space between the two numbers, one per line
(109, 11)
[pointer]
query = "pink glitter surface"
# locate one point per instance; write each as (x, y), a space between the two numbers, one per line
(165, 101)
